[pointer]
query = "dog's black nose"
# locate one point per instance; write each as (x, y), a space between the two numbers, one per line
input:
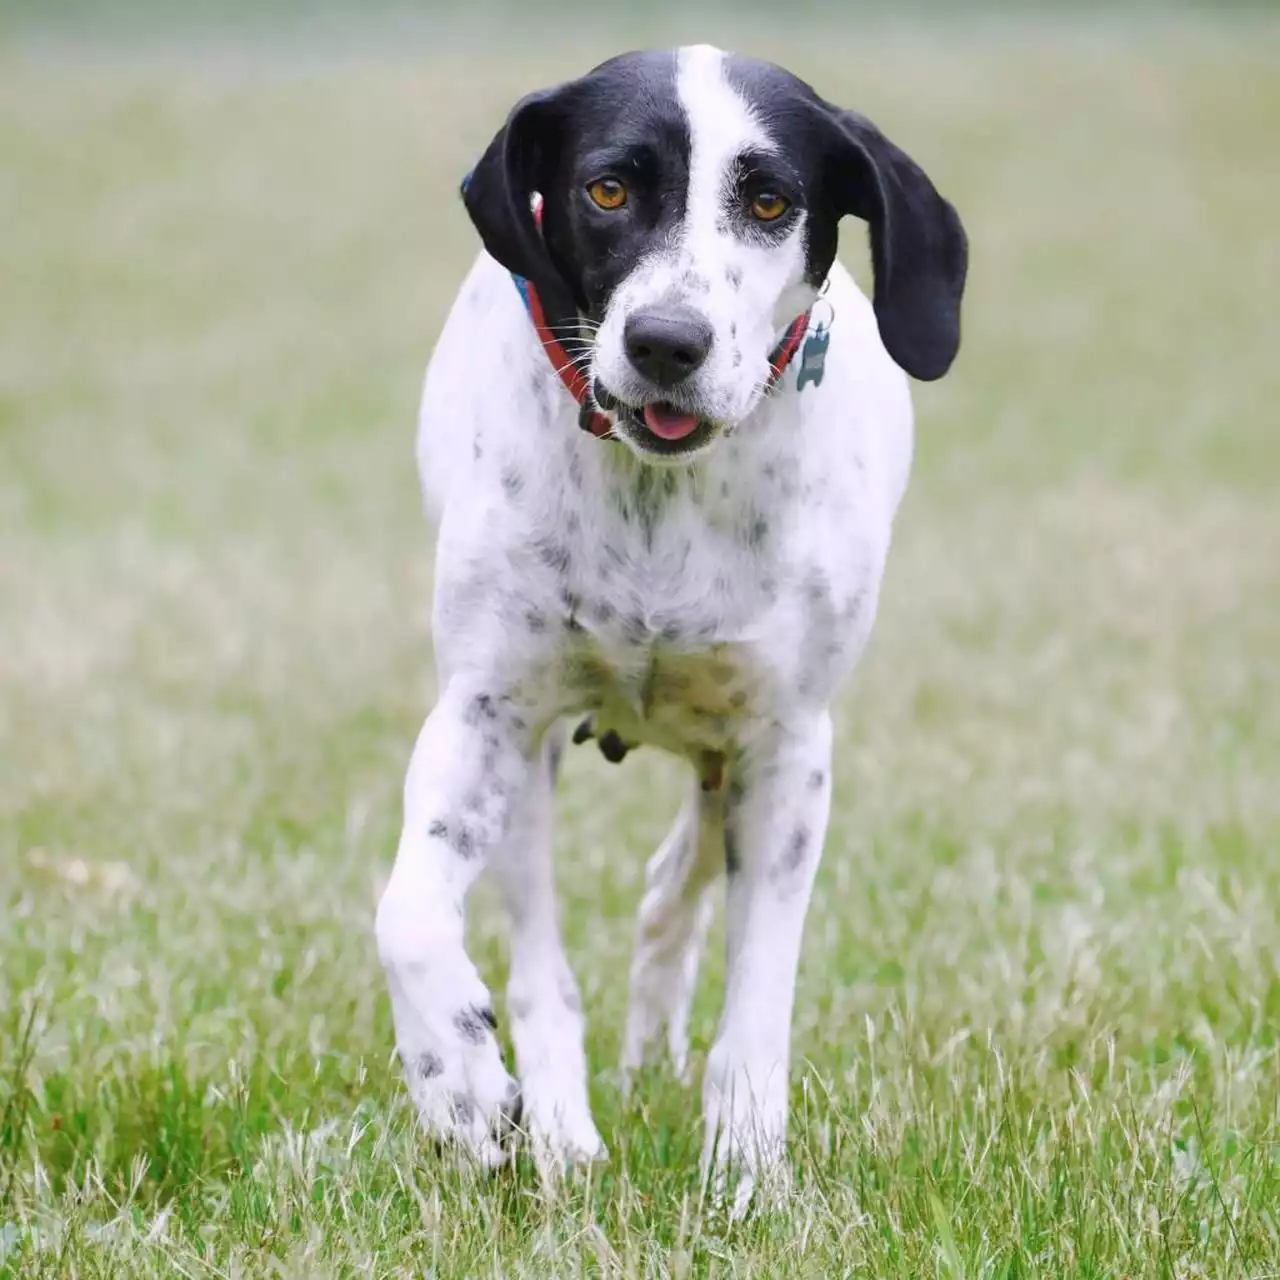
(667, 343)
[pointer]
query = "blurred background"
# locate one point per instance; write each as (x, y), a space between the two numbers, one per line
(229, 233)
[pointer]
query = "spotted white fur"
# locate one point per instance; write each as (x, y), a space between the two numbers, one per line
(711, 609)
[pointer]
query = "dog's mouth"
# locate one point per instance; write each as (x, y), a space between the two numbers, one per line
(658, 426)
(667, 421)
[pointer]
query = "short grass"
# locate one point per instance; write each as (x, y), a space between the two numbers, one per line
(1038, 1010)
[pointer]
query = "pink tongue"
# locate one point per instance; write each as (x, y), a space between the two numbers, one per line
(667, 422)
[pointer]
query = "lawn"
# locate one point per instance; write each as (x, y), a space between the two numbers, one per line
(1039, 1000)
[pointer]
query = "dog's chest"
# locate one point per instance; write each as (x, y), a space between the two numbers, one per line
(674, 598)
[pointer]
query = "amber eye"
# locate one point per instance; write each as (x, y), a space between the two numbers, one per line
(608, 193)
(768, 206)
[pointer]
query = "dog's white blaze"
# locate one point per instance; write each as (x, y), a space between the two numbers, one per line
(749, 316)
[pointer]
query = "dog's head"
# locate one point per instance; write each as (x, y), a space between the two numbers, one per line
(690, 202)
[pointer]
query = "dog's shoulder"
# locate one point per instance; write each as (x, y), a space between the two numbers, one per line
(485, 381)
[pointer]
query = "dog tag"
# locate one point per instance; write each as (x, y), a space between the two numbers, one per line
(813, 358)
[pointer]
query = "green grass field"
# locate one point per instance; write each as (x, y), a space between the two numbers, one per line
(1039, 1000)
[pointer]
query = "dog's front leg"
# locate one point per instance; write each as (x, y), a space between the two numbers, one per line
(471, 763)
(778, 804)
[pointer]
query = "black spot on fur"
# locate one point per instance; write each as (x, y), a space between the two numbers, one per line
(618, 501)
(459, 836)
(757, 532)
(816, 779)
(575, 470)
(854, 604)
(429, 1065)
(536, 621)
(512, 481)
(794, 854)
(481, 707)
(695, 283)
(572, 522)
(476, 451)
(473, 1024)
(634, 627)
(671, 631)
(733, 275)
(555, 555)
(603, 611)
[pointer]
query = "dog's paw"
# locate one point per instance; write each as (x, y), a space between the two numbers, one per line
(464, 1097)
(558, 1130)
(744, 1158)
(663, 974)
(657, 1023)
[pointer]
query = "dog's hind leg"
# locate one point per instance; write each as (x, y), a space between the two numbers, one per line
(674, 916)
(542, 997)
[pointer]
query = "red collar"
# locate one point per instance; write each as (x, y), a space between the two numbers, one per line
(576, 381)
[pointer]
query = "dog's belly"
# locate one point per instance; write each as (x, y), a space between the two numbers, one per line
(650, 692)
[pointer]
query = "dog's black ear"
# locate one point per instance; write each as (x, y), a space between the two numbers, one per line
(520, 160)
(918, 246)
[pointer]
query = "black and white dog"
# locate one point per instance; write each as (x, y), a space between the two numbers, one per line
(698, 569)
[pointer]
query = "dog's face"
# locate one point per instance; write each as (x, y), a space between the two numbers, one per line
(690, 202)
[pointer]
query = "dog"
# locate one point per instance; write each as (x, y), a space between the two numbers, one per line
(662, 442)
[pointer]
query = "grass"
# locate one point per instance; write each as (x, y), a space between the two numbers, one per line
(1038, 1008)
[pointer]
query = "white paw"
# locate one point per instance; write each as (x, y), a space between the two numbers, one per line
(744, 1154)
(658, 1017)
(546, 1027)
(464, 1097)
(558, 1128)
(662, 984)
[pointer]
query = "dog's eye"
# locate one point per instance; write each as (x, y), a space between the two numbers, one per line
(768, 206)
(608, 194)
